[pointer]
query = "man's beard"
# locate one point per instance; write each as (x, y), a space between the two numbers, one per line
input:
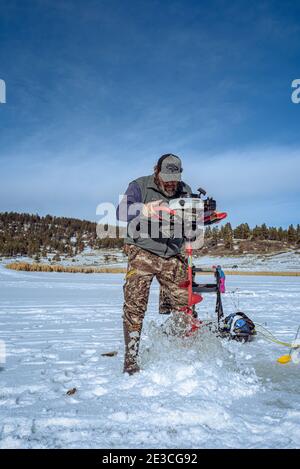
(168, 192)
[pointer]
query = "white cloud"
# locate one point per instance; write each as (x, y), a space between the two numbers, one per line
(252, 173)
(249, 183)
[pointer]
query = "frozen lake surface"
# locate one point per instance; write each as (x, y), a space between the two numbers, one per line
(197, 393)
(284, 261)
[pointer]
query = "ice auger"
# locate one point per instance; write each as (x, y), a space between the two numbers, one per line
(191, 211)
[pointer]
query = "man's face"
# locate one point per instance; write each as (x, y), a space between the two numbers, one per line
(169, 187)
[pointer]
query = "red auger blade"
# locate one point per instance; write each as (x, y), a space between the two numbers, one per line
(214, 217)
(196, 299)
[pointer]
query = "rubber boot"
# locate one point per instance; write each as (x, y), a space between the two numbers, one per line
(132, 340)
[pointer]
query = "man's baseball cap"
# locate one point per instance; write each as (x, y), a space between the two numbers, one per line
(170, 167)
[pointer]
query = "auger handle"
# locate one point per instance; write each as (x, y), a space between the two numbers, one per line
(163, 208)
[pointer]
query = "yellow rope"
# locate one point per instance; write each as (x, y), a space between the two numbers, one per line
(269, 336)
(272, 338)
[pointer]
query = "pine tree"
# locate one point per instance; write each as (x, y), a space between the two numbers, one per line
(215, 236)
(238, 232)
(264, 231)
(242, 231)
(291, 234)
(256, 232)
(228, 236)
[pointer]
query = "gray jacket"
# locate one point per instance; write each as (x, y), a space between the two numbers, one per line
(144, 190)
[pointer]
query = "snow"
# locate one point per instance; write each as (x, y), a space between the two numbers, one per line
(198, 392)
(284, 262)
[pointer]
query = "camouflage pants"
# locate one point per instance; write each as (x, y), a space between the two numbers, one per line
(165, 302)
(143, 266)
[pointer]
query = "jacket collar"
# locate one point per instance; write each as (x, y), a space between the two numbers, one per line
(151, 184)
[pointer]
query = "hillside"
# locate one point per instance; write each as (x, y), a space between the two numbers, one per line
(51, 237)
(32, 235)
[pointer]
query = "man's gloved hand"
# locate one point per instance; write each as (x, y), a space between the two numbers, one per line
(149, 211)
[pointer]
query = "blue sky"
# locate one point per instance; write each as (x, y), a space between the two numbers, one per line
(98, 90)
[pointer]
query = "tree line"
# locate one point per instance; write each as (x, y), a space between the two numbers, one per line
(227, 234)
(33, 235)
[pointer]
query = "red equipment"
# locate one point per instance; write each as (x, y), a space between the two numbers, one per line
(194, 290)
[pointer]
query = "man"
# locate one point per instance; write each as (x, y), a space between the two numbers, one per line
(152, 251)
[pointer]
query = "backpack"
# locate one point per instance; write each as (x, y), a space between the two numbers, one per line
(238, 326)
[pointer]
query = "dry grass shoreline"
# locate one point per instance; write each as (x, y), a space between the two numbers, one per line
(36, 267)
